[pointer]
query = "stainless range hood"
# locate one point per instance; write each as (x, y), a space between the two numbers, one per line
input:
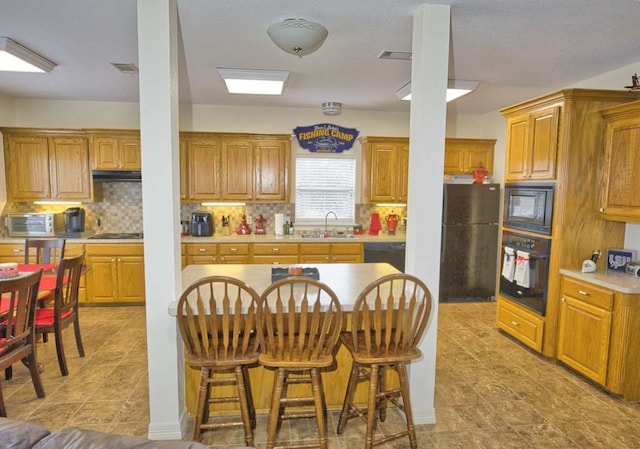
(116, 176)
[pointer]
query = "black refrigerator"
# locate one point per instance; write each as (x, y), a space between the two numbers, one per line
(469, 250)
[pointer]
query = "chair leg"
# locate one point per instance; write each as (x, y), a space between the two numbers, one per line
(382, 387)
(45, 337)
(35, 373)
(371, 406)
(274, 411)
(201, 402)
(318, 401)
(244, 405)
(252, 408)
(348, 397)
(8, 373)
(3, 411)
(406, 401)
(76, 330)
(62, 361)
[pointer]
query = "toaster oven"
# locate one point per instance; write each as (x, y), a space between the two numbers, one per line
(36, 224)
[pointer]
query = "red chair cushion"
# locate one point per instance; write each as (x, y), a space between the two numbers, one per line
(44, 316)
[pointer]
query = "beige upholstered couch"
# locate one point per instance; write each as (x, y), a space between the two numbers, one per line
(26, 435)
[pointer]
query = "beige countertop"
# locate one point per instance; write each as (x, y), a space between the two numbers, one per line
(347, 280)
(615, 280)
(251, 238)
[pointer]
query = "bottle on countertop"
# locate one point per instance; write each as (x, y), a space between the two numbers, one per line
(292, 231)
(285, 228)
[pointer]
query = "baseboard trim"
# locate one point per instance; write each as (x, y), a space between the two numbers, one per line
(165, 431)
(427, 416)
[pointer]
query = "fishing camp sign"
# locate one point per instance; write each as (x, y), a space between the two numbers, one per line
(326, 138)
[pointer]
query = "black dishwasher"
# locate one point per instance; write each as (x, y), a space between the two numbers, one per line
(392, 253)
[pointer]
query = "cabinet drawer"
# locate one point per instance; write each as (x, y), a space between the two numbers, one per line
(315, 248)
(204, 249)
(589, 293)
(12, 252)
(346, 248)
(276, 259)
(275, 249)
(521, 324)
(231, 249)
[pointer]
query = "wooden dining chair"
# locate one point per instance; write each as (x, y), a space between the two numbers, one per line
(17, 337)
(46, 251)
(65, 308)
(388, 320)
(299, 321)
(217, 321)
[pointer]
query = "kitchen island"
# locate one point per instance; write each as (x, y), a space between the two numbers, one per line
(346, 280)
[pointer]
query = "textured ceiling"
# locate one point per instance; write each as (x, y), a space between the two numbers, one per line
(515, 48)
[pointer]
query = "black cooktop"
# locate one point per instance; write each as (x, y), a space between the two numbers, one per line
(118, 235)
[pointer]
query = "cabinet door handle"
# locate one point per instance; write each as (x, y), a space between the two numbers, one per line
(16, 251)
(601, 209)
(562, 299)
(515, 323)
(233, 250)
(275, 250)
(583, 293)
(202, 250)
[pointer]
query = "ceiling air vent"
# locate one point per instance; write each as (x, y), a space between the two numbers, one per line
(400, 55)
(129, 69)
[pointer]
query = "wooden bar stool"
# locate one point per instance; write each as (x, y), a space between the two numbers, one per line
(217, 321)
(388, 320)
(299, 322)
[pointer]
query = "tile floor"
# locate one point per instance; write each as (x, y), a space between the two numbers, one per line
(490, 391)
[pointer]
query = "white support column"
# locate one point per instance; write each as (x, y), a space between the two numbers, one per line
(157, 48)
(429, 71)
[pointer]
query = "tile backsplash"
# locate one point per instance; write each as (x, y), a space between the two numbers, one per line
(121, 211)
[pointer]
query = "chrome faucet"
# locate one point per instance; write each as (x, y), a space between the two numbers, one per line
(326, 217)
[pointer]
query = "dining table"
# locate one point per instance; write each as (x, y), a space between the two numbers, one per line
(47, 281)
(347, 280)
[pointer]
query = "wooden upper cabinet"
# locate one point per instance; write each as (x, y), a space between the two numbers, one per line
(271, 172)
(203, 154)
(27, 155)
(463, 156)
(619, 198)
(70, 174)
(112, 150)
(47, 165)
(228, 167)
(385, 171)
(532, 145)
(237, 169)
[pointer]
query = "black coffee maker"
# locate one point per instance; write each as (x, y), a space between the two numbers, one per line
(74, 221)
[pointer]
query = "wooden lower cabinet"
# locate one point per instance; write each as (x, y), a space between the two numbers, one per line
(201, 253)
(74, 250)
(233, 253)
(275, 253)
(520, 323)
(598, 335)
(116, 274)
(331, 252)
(12, 252)
(585, 328)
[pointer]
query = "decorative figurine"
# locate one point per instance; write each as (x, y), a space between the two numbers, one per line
(260, 221)
(243, 228)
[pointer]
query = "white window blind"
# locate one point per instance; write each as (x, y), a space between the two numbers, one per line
(323, 185)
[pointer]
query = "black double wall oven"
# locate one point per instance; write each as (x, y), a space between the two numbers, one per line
(525, 255)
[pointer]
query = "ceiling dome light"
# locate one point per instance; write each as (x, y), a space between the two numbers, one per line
(331, 108)
(298, 36)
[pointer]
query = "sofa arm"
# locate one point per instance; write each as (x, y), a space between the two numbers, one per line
(20, 434)
(73, 438)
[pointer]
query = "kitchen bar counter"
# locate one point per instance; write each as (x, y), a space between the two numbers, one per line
(614, 280)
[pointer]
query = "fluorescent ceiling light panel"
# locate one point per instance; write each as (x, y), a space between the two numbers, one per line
(16, 58)
(455, 89)
(255, 82)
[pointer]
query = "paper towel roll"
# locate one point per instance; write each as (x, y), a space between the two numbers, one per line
(278, 223)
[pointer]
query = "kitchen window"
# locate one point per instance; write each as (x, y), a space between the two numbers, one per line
(325, 184)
